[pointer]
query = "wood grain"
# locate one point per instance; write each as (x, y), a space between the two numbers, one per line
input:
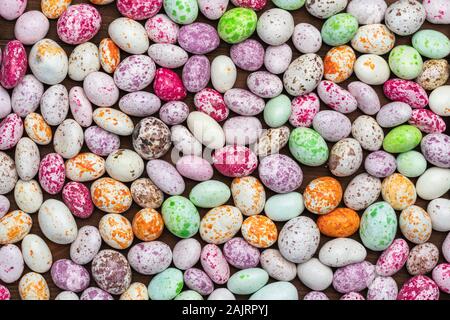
(109, 13)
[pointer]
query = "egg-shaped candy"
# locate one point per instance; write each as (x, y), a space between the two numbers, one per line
(415, 224)
(48, 62)
(259, 231)
(57, 222)
(237, 24)
(129, 35)
(280, 173)
(303, 74)
(405, 17)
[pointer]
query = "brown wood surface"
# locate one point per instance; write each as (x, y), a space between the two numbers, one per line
(109, 13)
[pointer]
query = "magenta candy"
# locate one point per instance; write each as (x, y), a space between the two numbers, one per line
(194, 168)
(393, 258)
(419, 288)
(80, 106)
(352, 296)
(93, 293)
(198, 38)
(315, 295)
(248, 55)
(197, 280)
(235, 161)
(52, 173)
(139, 9)
(161, 29)
(196, 73)
(252, 4)
(14, 63)
(380, 164)
(4, 293)
(67, 275)
(280, 173)
(100, 141)
(211, 102)
(427, 121)
(441, 275)
(77, 198)
(240, 254)
(11, 130)
(174, 112)
(214, 264)
(336, 97)
(79, 24)
(304, 109)
(406, 91)
(168, 85)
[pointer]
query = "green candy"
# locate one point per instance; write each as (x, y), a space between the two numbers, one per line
(166, 285)
(180, 216)
(431, 44)
(411, 164)
(210, 194)
(189, 295)
(405, 62)
(181, 11)
(378, 226)
(289, 4)
(339, 29)
(402, 139)
(308, 147)
(247, 281)
(237, 24)
(277, 111)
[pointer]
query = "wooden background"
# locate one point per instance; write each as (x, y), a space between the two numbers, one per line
(109, 13)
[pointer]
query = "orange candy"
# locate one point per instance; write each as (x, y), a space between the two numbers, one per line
(338, 63)
(259, 231)
(147, 224)
(322, 195)
(109, 55)
(339, 223)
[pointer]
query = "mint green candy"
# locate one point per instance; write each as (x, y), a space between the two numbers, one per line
(411, 164)
(402, 139)
(166, 285)
(289, 4)
(180, 216)
(378, 226)
(181, 11)
(277, 111)
(247, 281)
(405, 62)
(308, 147)
(339, 29)
(237, 24)
(210, 194)
(431, 44)
(189, 295)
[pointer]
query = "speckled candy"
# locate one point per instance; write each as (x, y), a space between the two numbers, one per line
(405, 62)
(52, 173)
(198, 38)
(240, 254)
(338, 63)
(181, 11)
(198, 281)
(78, 24)
(415, 224)
(336, 97)
(14, 64)
(259, 231)
(398, 191)
(139, 10)
(77, 198)
(402, 139)
(180, 216)
(304, 109)
(4, 293)
(11, 130)
(427, 121)
(151, 138)
(111, 271)
(235, 161)
(378, 226)
(339, 223)
(161, 29)
(100, 141)
(308, 147)
(436, 149)
(146, 194)
(280, 173)
(339, 29)
(174, 112)
(431, 44)
(237, 24)
(393, 258)
(322, 195)
(168, 85)
(110, 195)
(214, 264)
(248, 55)
(422, 259)
(419, 288)
(69, 276)
(406, 91)
(441, 275)
(380, 164)
(211, 102)
(196, 73)
(220, 224)
(150, 258)
(354, 277)
(382, 288)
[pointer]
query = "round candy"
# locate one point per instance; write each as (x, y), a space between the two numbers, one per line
(322, 195)
(237, 24)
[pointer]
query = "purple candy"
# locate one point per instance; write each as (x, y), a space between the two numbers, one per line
(380, 164)
(280, 173)
(93, 293)
(354, 277)
(196, 73)
(248, 55)
(436, 149)
(174, 112)
(198, 38)
(240, 254)
(316, 295)
(150, 257)
(100, 141)
(69, 276)
(198, 281)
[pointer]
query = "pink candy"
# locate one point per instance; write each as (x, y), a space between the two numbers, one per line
(235, 161)
(14, 64)
(79, 24)
(139, 9)
(211, 102)
(406, 91)
(168, 85)
(419, 288)
(77, 197)
(52, 173)
(427, 121)
(304, 109)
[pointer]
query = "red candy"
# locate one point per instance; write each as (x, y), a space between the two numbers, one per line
(419, 288)
(168, 85)
(212, 103)
(77, 197)
(139, 9)
(427, 121)
(406, 91)
(14, 64)
(79, 24)
(235, 161)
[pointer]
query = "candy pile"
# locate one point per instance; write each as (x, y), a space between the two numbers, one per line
(133, 90)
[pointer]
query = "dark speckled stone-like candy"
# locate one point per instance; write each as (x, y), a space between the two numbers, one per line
(151, 138)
